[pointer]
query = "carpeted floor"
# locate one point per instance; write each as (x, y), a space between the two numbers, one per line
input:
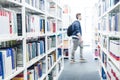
(81, 71)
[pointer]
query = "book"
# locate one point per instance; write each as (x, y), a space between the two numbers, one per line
(59, 52)
(37, 4)
(19, 56)
(42, 25)
(38, 48)
(42, 5)
(36, 23)
(27, 53)
(7, 62)
(52, 8)
(13, 59)
(19, 24)
(10, 53)
(43, 67)
(54, 27)
(29, 50)
(103, 74)
(18, 78)
(36, 72)
(31, 75)
(42, 47)
(1, 66)
(4, 21)
(40, 69)
(34, 52)
(14, 50)
(0, 69)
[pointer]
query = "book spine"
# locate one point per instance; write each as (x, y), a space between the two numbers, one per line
(1, 66)
(19, 24)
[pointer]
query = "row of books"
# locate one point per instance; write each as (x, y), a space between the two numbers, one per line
(51, 59)
(38, 69)
(51, 40)
(39, 4)
(105, 5)
(51, 8)
(102, 56)
(35, 49)
(10, 59)
(51, 26)
(112, 72)
(11, 23)
(52, 74)
(111, 64)
(114, 23)
(35, 23)
(8, 44)
(35, 72)
(110, 23)
(114, 49)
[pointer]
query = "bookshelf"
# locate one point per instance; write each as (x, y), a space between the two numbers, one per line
(31, 40)
(109, 39)
(95, 31)
(67, 20)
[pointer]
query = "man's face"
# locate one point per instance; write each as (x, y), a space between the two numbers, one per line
(79, 17)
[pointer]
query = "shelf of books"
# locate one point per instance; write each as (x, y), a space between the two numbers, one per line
(109, 39)
(31, 40)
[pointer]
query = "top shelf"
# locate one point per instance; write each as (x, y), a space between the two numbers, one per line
(31, 9)
(20, 4)
(10, 3)
(112, 9)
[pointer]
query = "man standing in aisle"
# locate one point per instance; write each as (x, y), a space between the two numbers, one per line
(77, 38)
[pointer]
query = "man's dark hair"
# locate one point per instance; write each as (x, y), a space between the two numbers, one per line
(77, 15)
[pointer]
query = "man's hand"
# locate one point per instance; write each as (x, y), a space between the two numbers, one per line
(81, 39)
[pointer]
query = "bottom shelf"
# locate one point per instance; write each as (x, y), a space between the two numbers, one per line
(20, 69)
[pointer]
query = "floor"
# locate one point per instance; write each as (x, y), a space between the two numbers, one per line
(81, 71)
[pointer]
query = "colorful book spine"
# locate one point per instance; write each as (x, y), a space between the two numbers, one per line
(1, 66)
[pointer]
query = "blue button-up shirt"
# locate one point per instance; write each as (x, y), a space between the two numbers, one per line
(77, 28)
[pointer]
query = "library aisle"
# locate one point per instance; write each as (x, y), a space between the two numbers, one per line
(81, 71)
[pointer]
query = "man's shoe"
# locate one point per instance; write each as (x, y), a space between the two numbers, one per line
(72, 61)
(82, 60)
